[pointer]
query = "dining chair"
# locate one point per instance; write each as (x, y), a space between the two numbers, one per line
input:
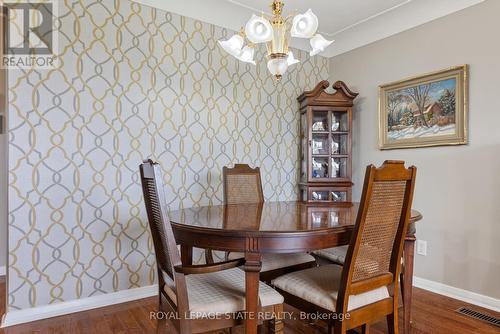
(243, 185)
(366, 287)
(205, 297)
(338, 254)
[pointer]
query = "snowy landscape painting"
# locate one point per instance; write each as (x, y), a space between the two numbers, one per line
(429, 110)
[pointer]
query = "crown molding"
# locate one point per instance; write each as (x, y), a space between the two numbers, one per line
(232, 14)
(410, 15)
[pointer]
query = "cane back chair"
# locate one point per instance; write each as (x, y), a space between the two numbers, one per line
(204, 297)
(362, 287)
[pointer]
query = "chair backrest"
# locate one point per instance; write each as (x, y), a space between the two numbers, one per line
(167, 253)
(374, 255)
(242, 184)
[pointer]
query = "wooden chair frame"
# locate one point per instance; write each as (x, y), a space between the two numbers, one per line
(171, 271)
(388, 307)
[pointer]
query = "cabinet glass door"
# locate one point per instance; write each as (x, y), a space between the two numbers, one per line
(329, 145)
(320, 145)
(339, 146)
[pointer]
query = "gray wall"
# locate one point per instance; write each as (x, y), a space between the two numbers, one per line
(3, 168)
(3, 201)
(457, 187)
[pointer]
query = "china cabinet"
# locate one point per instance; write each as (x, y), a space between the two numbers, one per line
(326, 140)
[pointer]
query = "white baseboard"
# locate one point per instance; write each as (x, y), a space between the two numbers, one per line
(3, 270)
(53, 310)
(456, 293)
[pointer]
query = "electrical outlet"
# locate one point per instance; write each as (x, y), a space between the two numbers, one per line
(422, 247)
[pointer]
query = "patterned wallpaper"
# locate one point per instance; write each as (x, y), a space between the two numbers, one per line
(135, 82)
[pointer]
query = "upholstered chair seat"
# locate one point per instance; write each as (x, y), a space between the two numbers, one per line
(334, 254)
(320, 287)
(224, 292)
(272, 262)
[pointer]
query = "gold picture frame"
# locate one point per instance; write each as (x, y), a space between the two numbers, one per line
(427, 110)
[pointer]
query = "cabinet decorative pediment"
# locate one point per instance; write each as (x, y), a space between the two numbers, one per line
(320, 97)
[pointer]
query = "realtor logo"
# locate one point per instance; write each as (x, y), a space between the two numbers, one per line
(29, 37)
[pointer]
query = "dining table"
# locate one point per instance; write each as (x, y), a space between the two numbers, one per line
(277, 227)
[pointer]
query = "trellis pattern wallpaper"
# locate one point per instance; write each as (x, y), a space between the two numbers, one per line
(134, 82)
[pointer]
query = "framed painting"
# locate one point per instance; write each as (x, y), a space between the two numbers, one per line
(428, 110)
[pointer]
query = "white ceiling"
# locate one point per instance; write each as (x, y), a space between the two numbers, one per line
(351, 23)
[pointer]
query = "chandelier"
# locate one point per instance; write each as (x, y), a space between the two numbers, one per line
(276, 31)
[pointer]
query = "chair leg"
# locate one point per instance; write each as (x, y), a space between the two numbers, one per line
(184, 327)
(392, 322)
(160, 301)
(209, 257)
(339, 328)
(276, 325)
(401, 283)
(365, 329)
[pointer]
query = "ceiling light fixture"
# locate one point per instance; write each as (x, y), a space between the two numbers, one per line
(276, 31)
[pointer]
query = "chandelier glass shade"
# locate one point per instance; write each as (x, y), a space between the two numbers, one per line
(275, 31)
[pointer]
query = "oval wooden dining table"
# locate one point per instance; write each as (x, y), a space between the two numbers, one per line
(276, 227)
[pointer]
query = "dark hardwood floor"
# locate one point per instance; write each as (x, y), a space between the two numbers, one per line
(432, 314)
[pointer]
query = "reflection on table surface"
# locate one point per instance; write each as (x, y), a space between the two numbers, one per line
(269, 216)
